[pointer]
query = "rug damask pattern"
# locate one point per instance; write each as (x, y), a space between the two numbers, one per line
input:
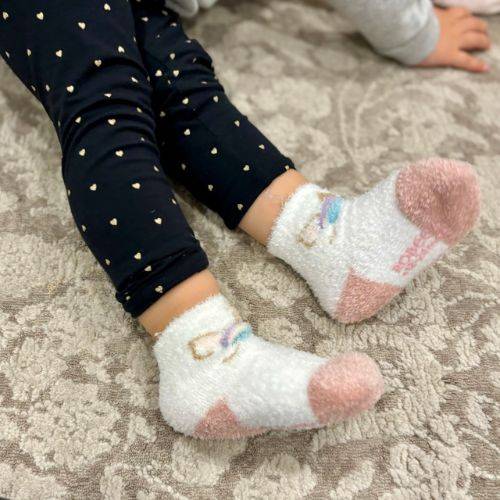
(78, 404)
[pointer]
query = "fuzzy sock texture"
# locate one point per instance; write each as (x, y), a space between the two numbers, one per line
(218, 380)
(357, 254)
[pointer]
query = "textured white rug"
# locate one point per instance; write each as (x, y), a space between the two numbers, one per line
(78, 405)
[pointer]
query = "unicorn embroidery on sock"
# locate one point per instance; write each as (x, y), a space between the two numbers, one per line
(226, 342)
(328, 214)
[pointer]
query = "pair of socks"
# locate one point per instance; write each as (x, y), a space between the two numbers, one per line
(219, 380)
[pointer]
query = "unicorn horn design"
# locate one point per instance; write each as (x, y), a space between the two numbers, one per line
(226, 342)
(204, 345)
(310, 232)
(327, 216)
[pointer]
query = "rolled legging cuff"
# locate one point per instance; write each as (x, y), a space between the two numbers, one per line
(174, 270)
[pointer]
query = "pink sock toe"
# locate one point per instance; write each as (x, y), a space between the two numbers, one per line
(345, 386)
(220, 422)
(440, 196)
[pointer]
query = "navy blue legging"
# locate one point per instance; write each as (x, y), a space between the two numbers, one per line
(133, 100)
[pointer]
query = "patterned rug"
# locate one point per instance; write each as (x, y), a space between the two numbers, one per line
(78, 382)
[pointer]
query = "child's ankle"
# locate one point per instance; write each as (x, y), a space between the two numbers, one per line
(179, 299)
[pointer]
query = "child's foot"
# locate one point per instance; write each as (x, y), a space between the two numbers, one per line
(357, 254)
(218, 380)
(476, 6)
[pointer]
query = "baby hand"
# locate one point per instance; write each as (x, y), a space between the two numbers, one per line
(461, 32)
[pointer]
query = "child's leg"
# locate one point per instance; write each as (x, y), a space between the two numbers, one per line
(222, 159)
(87, 72)
(356, 254)
(216, 378)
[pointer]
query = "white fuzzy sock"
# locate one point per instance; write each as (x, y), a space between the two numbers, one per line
(357, 254)
(476, 6)
(218, 380)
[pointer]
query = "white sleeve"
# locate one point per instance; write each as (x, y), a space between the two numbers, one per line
(405, 30)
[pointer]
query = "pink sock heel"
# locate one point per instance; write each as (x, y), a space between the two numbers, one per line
(221, 423)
